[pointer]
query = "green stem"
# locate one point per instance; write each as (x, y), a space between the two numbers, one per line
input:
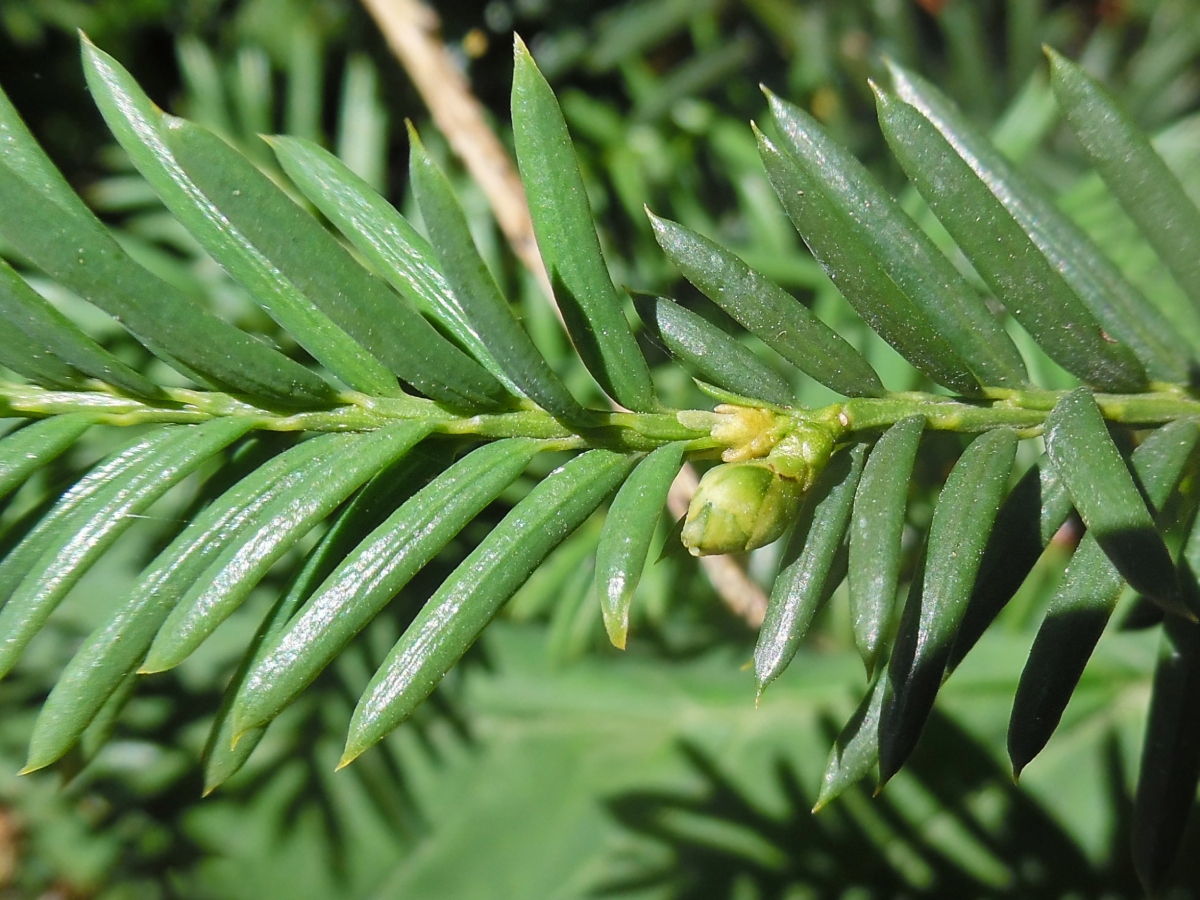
(359, 412)
(1023, 410)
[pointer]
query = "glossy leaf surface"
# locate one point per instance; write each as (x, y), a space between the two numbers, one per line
(231, 577)
(1120, 307)
(218, 194)
(717, 356)
(591, 306)
(25, 451)
(876, 527)
(115, 649)
(294, 246)
(921, 272)
(483, 306)
(1083, 603)
(767, 311)
(143, 131)
(453, 617)
(1027, 522)
(855, 753)
(370, 576)
(226, 751)
(805, 575)
(1032, 290)
(962, 521)
(71, 544)
(82, 255)
(628, 529)
(840, 245)
(385, 238)
(56, 339)
(1103, 490)
(61, 518)
(1137, 176)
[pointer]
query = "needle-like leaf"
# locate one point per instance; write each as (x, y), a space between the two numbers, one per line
(855, 753)
(483, 306)
(628, 530)
(1121, 309)
(876, 527)
(25, 451)
(962, 521)
(231, 577)
(808, 572)
(384, 237)
(115, 648)
(910, 259)
(1031, 515)
(717, 356)
(369, 577)
(1083, 603)
(453, 617)
(1004, 256)
(1146, 189)
(56, 339)
(273, 238)
(767, 311)
(69, 544)
(590, 304)
(1103, 490)
(841, 246)
(226, 750)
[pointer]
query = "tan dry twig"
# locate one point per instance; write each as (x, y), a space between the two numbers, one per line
(411, 29)
(412, 32)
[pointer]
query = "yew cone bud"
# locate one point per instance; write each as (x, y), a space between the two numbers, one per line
(748, 503)
(738, 507)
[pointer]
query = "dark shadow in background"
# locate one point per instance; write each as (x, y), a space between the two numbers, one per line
(827, 854)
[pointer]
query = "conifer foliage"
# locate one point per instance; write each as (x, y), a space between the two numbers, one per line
(424, 399)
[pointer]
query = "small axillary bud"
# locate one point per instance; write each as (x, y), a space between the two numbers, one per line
(748, 432)
(801, 454)
(748, 502)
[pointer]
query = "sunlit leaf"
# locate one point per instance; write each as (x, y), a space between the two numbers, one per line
(962, 521)
(566, 236)
(876, 527)
(453, 617)
(628, 530)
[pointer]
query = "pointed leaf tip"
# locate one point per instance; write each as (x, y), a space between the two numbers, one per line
(1034, 288)
(466, 602)
(1108, 500)
(766, 310)
(592, 308)
(884, 266)
(937, 599)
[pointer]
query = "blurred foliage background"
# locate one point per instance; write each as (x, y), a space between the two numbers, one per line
(550, 765)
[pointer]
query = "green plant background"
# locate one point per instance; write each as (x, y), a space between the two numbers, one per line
(549, 765)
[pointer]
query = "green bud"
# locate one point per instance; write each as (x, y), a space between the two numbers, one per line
(801, 454)
(740, 506)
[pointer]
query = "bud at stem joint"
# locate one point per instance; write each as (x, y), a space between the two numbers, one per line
(748, 502)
